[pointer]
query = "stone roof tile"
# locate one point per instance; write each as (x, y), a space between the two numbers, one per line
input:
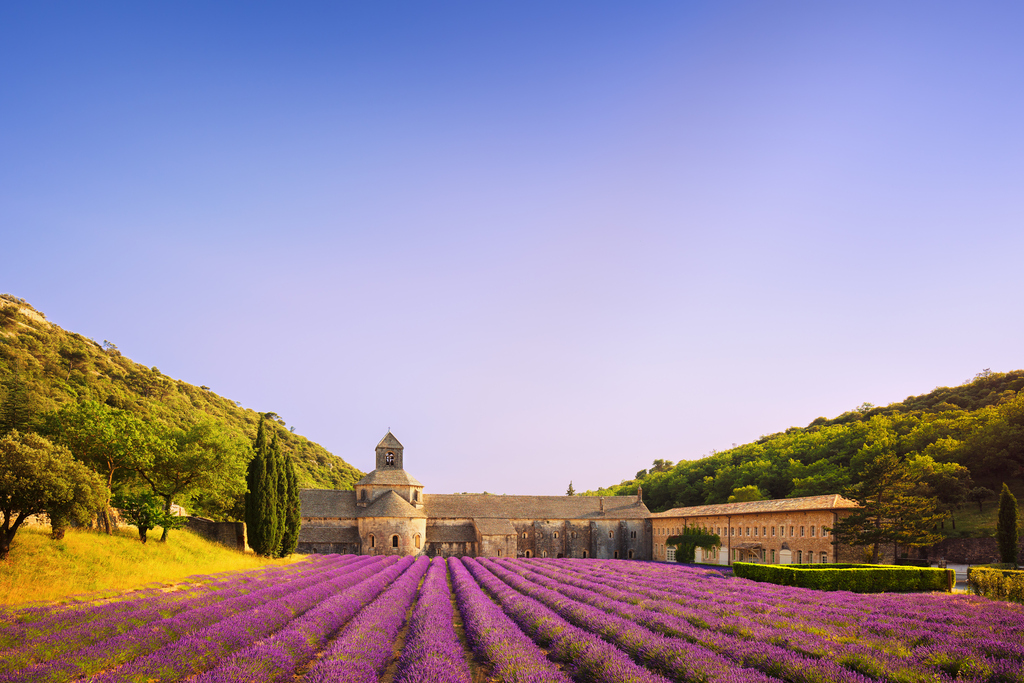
(390, 504)
(830, 502)
(327, 503)
(489, 506)
(450, 533)
(494, 527)
(389, 477)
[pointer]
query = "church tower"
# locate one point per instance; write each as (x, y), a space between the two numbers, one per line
(389, 453)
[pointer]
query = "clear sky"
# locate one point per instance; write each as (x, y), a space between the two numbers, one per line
(540, 241)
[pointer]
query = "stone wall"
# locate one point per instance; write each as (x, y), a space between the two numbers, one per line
(230, 534)
(967, 551)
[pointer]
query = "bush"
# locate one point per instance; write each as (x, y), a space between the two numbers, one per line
(996, 583)
(857, 578)
(911, 562)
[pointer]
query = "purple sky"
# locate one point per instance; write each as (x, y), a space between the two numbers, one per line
(540, 241)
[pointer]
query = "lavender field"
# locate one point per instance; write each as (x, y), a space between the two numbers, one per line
(355, 619)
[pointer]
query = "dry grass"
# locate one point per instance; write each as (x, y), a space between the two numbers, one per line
(87, 562)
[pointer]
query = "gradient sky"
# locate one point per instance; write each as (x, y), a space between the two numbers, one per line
(540, 241)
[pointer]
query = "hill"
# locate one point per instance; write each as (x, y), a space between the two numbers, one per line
(90, 562)
(978, 425)
(48, 367)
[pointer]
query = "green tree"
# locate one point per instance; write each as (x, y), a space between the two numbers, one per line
(38, 477)
(18, 407)
(745, 494)
(293, 511)
(205, 457)
(261, 498)
(979, 495)
(1006, 528)
(570, 491)
(113, 442)
(890, 510)
(692, 538)
(281, 498)
(88, 494)
(145, 511)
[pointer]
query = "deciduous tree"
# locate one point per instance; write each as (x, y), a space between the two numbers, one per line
(1006, 528)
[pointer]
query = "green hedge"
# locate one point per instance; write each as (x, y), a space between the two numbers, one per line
(858, 578)
(909, 562)
(999, 584)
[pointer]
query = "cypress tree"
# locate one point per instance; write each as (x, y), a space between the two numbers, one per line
(293, 510)
(261, 498)
(280, 486)
(1006, 528)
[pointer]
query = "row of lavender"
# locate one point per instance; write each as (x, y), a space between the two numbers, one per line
(788, 633)
(342, 618)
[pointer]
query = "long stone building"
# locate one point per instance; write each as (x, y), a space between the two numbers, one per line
(389, 513)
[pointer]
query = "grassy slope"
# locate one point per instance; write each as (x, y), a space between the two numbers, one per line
(56, 366)
(85, 562)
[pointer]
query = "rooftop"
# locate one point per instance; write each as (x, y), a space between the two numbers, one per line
(832, 501)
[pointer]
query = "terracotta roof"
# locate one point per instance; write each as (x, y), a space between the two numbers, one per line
(830, 502)
(389, 476)
(390, 504)
(328, 534)
(327, 503)
(389, 441)
(489, 506)
(494, 527)
(450, 533)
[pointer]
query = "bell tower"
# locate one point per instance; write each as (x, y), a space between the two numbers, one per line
(389, 453)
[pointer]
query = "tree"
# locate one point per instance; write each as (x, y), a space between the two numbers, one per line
(692, 538)
(281, 497)
(261, 498)
(37, 477)
(145, 511)
(88, 494)
(113, 442)
(570, 491)
(18, 406)
(979, 495)
(746, 493)
(1006, 528)
(205, 457)
(293, 510)
(890, 510)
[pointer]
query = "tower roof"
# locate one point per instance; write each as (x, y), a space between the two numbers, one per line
(389, 441)
(390, 504)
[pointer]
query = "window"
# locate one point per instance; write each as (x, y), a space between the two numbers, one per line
(394, 541)
(543, 553)
(799, 556)
(584, 554)
(524, 534)
(611, 534)
(499, 553)
(773, 531)
(415, 496)
(718, 530)
(616, 554)
(782, 531)
(791, 534)
(824, 532)
(812, 531)
(824, 558)
(755, 531)
(528, 553)
(764, 531)
(632, 534)
(389, 459)
(801, 532)
(773, 556)
(748, 531)
(556, 534)
(416, 539)
(373, 541)
(631, 554)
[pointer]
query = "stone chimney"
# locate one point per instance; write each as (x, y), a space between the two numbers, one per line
(602, 504)
(639, 495)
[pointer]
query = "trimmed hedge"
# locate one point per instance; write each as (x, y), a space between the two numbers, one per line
(910, 562)
(998, 584)
(857, 578)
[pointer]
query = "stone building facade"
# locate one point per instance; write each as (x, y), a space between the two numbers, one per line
(785, 531)
(388, 513)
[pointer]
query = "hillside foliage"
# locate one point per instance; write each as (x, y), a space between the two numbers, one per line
(957, 443)
(45, 369)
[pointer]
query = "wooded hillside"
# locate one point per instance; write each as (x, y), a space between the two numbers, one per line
(43, 367)
(978, 425)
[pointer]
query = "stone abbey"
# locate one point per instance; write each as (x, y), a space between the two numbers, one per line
(389, 513)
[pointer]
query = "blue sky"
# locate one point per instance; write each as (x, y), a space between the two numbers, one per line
(541, 242)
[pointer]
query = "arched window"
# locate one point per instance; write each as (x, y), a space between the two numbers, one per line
(631, 554)
(394, 541)
(611, 534)
(499, 553)
(389, 459)
(415, 496)
(528, 554)
(417, 541)
(373, 541)
(556, 534)
(616, 554)
(543, 553)
(524, 534)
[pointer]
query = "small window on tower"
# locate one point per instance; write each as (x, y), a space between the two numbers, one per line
(389, 459)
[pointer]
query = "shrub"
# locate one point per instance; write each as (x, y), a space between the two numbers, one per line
(851, 577)
(996, 583)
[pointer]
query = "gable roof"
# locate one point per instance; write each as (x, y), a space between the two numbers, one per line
(450, 533)
(390, 504)
(327, 503)
(389, 441)
(830, 502)
(389, 476)
(489, 506)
